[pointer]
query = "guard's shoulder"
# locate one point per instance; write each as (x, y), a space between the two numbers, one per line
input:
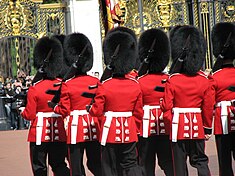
(203, 75)
(58, 79)
(217, 71)
(68, 80)
(174, 75)
(36, 83)
(132, 79)
(107, 80)
(142, 76)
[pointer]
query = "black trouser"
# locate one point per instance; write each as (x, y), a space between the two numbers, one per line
(225, 145)
(125, 154)
(56, 152)
(195, 149)
(149, 148)
(76, 152)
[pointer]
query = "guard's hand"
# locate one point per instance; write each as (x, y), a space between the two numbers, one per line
(21, 109)
(51, 104)
(207, 136)
(160, 101)
(88, 108)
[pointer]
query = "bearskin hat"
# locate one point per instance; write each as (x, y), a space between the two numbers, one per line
(65, 65)
(41, 50)
(219, 35)
(60, 37)
(125, 29)
(74, 44)
(128, 30)
(123, 41)
(171, 34)
(196, 49)
(173, 30)
(159, 59)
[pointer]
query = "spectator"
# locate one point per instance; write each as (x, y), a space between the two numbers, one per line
(9, 92)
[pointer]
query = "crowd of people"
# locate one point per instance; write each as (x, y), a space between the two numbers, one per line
(129, 118)
(12, 91)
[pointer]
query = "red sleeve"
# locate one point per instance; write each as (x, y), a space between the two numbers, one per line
(97, 108)
(138, 111)
(63, 106)
(208, 106)
(167, 104)
(213, 87)
(29, 112)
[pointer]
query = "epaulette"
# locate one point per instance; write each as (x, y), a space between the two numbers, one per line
(37, 82)
(106, 80)
(174, 74)
(216, 71)
(142, 76)
(59, 79)
(69, 79)
(203, 75)
(133, 79)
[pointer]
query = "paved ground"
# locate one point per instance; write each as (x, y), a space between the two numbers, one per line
(14, 156)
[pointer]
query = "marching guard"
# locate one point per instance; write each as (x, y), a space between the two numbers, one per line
(154, 140)
(188, 102)
(83, 129)
(47, 135)
(223, 42)
(118, 105)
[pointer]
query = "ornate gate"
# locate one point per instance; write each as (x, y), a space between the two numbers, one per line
(22, 22)
(140, 15)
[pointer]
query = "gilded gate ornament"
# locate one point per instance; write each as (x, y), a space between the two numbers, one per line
(230, 10)
(21, 23)
(18, 17)
(164, 10)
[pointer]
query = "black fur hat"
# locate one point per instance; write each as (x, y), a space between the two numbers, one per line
(65, 65)
(171, 35)
(173, 30)
(73, 46)
(219, 35)
(125, 29)
(60, 37)
(126, 57)
(159, 59)
(41, 50)
(196, 50)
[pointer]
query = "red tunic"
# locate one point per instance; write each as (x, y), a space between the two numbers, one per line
(53, 128)
(151, 98)
(119, 95)
(184, 91)
(86, 127)
(223, 79)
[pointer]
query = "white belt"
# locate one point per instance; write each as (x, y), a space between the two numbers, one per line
(39, 126)
(224, 114)
(175, 120)
(109, 115)
(146, 118)
(75, 114)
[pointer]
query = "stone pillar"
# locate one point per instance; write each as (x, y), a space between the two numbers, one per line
(83, 17)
